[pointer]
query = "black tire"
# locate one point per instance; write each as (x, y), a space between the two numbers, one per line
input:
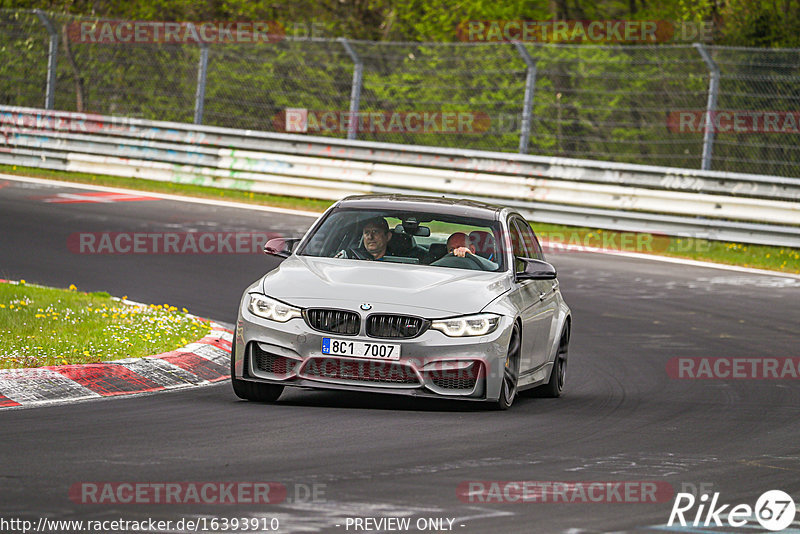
(558, 375)
(253, 391)
(508, 389)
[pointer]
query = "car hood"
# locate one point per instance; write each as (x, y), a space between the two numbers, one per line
(308, 281)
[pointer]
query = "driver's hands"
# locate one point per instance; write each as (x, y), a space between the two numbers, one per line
(461, 252)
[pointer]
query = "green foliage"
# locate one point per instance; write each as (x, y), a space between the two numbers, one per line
(768, 23)
(601, 102)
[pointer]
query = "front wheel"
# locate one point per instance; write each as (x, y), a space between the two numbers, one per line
(508, 388)
(253, 391)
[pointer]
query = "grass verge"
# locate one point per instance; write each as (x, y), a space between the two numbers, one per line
(47, 326)
(780, 259)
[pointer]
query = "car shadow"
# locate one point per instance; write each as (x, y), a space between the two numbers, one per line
(375, 401)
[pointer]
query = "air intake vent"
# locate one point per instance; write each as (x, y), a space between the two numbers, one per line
(368, 372)
(465, 383)
(273, 363)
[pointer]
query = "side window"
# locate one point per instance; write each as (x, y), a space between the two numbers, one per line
(531, 243)
(517, 244)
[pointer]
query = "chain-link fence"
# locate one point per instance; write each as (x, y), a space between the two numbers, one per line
(638, 104)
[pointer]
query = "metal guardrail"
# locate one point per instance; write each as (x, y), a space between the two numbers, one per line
(715, 205)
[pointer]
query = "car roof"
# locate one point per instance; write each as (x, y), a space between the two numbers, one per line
(443, 205)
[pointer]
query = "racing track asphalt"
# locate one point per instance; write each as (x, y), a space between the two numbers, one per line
(622, 417)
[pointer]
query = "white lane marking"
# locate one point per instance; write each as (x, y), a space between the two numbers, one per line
(164, 196)
(774, 281)
(695, 263)
(238, 205)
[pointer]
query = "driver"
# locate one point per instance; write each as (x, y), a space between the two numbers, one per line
(376, 236)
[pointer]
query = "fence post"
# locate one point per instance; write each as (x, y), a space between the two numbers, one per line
(200, 92)
(355, 92)
(527, 105)
(52, 59)
(711, 106)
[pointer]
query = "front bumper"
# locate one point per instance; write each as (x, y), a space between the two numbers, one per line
(431, 365)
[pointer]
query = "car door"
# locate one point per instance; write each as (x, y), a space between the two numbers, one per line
(547, 295)
(535, 316)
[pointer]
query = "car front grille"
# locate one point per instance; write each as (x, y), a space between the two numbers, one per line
(395, 326)
(342, 322)
(376, 371)
(272, 363)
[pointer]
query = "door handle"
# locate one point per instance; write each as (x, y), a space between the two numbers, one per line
(542, 296)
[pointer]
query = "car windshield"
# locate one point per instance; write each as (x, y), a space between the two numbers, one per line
(413, 238)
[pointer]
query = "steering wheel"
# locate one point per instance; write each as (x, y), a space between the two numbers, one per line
(469, 257)
(474, 260)
(358, 254)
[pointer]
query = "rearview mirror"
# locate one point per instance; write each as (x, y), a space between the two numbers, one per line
(281, 246)
(421, 231)
(536, 270)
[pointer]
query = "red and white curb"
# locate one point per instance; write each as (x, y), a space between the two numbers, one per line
(200, 363)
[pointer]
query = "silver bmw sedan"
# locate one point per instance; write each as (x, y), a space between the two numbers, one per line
(423, 296)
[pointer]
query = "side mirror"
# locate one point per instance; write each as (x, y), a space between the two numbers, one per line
(536, 270)
(280, 246)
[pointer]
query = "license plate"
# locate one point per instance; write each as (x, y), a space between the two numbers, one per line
(360, 349)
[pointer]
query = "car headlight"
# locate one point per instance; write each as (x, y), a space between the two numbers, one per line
(469, 325)
(271, 309)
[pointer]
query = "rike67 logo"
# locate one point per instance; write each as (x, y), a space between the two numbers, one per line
(774, 510)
